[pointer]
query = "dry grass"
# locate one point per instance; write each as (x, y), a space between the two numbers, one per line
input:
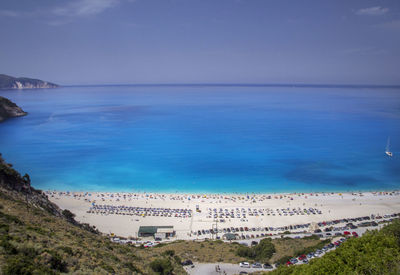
(206, 251)
(289, 246)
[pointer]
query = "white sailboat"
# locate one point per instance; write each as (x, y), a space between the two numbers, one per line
(387, 152)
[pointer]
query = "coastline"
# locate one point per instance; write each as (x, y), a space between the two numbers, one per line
(261, 210)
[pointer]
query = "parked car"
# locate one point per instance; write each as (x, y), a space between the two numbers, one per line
(244, 264)
(187, 262)
(256, 265)
(294, 260)
(267, 266)
(302, 257)
(354, 234)
(149, 244)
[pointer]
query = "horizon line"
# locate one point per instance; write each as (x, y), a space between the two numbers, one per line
(310, 85)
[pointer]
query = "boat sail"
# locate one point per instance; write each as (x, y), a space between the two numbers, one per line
(388, 152)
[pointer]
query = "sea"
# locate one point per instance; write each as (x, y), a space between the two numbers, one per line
(206, 138)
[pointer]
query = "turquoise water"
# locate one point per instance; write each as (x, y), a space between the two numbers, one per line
(205, 138)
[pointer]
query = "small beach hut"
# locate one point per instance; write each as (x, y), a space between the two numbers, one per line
(156, 231)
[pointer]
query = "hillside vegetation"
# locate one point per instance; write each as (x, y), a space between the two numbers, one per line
(36, 237)
(376, 252)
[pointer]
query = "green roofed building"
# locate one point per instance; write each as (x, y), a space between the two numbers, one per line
(156, 231)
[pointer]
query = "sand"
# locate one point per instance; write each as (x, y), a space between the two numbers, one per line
(332, 206)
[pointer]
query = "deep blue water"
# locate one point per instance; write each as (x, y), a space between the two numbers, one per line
(205, 138)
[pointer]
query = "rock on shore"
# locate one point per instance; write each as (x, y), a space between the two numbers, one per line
(9, 109)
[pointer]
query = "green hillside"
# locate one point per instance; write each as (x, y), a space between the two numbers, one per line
(376, 252)
(36, 237)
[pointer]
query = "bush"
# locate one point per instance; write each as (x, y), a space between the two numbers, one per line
(68, 215)
(131, 267)
(262, 251)
(177, 259)
(8, 247)
(67, 250)
(107, 268)
(169, 253)
(10, 218)
(162, 266)
(57, 263)
(21, 264)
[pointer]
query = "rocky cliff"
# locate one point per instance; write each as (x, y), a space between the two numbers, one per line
(18, 186)
(9, 82)
(9, 109)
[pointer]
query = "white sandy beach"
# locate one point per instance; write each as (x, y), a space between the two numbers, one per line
(260, 210)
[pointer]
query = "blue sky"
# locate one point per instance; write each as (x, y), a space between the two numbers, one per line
(188, 41)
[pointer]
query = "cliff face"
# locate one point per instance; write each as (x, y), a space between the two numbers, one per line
(9, 109)
(9, 82)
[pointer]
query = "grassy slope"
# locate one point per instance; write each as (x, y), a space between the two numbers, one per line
(53, 242)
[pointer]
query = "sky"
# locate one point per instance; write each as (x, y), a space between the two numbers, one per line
(187, 41)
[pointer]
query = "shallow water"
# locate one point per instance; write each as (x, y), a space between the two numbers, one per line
(205, 138)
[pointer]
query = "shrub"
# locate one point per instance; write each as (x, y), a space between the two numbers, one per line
(68, 215)
(8, 247)
(131, 267)
(262, 251)
(10, 218)
(162, 266)
(169, 253)
(245, 252)
(177, 259)
(107, 268)
(57, 263)
(21, 264)
(67, 250)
